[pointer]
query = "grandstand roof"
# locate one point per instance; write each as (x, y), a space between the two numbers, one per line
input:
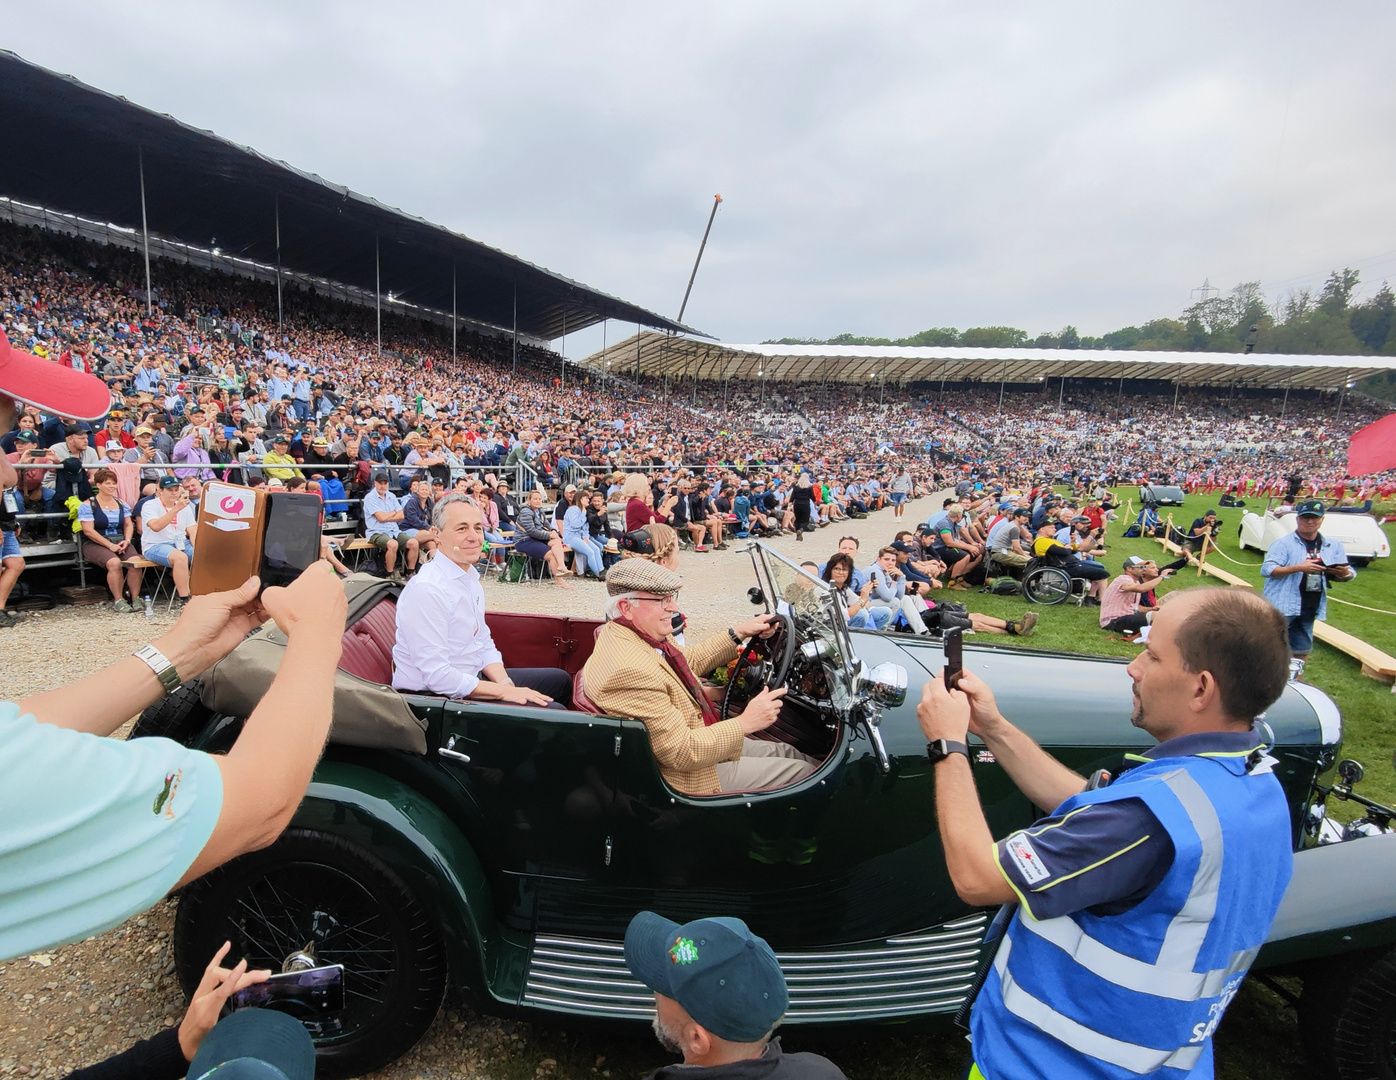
(80, 158)
(683, 357)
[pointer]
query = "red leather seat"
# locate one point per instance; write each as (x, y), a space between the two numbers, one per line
(368, 644)
(580, 701)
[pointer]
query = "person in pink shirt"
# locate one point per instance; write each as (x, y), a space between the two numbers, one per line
(1119, 607)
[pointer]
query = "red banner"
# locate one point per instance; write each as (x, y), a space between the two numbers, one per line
(1373, 449)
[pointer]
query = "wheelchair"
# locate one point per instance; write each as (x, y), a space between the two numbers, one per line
(1046, 583)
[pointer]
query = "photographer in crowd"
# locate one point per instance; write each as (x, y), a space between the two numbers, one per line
(1095, 975)
(257, 1042)
(65, 791)
(1120, 607)
(1297, 569)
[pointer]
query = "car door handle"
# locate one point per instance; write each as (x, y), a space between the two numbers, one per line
(446, 751)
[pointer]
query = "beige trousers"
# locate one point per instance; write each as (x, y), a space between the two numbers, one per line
(764, 765)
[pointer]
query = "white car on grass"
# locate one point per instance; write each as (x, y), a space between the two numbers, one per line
(1360, 534)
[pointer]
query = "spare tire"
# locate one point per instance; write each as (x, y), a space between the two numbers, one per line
(179, 715)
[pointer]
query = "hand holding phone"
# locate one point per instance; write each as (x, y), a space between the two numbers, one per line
(308, 992)
(953, 644)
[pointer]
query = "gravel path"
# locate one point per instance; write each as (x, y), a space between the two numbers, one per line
(70, 1007)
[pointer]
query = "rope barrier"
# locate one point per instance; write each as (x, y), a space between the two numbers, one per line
(1218, 551)
(1380, 611)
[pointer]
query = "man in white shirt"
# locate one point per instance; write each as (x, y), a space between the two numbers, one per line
(443, 644)
(167, 533)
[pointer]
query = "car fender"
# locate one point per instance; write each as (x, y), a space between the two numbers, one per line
(1342, 898)
(416, 838)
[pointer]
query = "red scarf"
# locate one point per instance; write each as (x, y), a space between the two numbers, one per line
(674, 655)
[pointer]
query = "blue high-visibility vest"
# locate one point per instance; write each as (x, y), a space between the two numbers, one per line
(1140, 993)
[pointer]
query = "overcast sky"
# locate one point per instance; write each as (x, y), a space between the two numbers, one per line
(884, 168)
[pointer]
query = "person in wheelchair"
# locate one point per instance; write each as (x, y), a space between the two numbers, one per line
(637, 670)
(1048, 549)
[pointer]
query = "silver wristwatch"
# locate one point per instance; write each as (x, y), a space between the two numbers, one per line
(159, 663)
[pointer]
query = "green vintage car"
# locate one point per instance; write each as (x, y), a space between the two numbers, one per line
(506, 848)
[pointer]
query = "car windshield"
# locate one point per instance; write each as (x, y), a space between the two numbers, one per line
(813, 607)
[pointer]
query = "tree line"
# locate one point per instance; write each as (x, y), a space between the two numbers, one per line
(1326, 324)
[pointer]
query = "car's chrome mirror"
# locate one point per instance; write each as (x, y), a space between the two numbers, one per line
(886, 683)
(1350, 772)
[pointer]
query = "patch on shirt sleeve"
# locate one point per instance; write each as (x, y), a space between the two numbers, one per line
(1026, 859)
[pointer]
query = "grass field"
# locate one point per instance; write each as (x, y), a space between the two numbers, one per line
(1259, 1036)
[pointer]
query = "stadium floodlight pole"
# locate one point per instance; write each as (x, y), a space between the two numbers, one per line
(145, 232)
(277, 203)
(717, 201)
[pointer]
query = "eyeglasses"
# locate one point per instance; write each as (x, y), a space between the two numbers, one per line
(671, 599)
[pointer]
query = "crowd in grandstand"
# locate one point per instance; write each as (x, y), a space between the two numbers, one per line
(208, 385)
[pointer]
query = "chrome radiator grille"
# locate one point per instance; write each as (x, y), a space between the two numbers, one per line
(903, 976)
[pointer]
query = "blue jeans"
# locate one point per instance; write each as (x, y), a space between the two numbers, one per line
(588, 552)
(302, 409)
(871, 618)
(1301, 634)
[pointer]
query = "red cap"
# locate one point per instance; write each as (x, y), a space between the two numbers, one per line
(55, 388)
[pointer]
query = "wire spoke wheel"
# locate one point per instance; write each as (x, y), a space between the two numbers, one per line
(319, 893)
(1047, 585)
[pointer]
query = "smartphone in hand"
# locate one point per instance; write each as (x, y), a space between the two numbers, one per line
(309, 991)
(953, 644)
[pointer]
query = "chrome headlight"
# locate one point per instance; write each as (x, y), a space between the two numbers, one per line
(886, 684)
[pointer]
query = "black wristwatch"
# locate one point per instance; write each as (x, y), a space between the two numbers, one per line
(940, 749)
(735, 639)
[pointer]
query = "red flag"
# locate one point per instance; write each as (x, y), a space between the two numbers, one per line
(1373, 448)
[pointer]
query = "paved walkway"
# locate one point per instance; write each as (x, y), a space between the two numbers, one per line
(715, 582)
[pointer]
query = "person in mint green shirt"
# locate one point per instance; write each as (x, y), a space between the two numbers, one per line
(94, 830)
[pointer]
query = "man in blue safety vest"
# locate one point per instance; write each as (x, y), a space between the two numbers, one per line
(1142, 903)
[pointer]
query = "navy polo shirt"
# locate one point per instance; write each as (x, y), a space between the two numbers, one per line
(1104, 858)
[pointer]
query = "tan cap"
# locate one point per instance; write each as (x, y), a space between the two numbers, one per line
(643, 576)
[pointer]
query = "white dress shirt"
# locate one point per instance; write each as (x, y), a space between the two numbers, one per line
(442, 640)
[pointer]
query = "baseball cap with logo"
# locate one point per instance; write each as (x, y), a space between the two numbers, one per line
(1310, 508)
(723, 975)
(54, 388)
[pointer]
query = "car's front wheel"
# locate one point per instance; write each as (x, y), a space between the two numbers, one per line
(1347, 1017)
(316, 891)
(179, 715)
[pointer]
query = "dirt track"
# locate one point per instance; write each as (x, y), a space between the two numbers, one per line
(73, 1006)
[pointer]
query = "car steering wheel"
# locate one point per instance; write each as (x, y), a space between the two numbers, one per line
(761, 662)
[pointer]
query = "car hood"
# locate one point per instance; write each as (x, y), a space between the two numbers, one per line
(1066, 699)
